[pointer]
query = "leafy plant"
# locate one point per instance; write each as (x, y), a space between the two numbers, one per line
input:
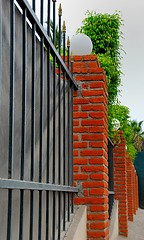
(104, 31)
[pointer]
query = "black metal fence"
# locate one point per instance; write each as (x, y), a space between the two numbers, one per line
(36, 173)
(110, 174)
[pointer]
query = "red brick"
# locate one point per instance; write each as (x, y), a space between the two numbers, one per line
(97, 208)
(95, 184)
(75, 108)
(90, 107)
(81, 70)
(93, 137)
(80, 115)
(81, 129)
(80, 144)
(80, 176)
(92, 122)
(101, 216)
(98, 191)
(89, 57)
(87, 93)
(75, 137)
(100, 84)
(84, 85)
(81, 161)
(91, 77)
(99, 176)
(94, 169)
(77, 58)
(75, 152)
(91, 152)
(80, 101)
(97, 114)
(92, 64)
(75, 122)
(79, 65)
(99, 225)
(75, 168)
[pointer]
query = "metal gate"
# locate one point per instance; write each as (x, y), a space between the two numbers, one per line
(36, 132)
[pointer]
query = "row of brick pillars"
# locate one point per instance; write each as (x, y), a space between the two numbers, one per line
(91, 153)
(125, 185)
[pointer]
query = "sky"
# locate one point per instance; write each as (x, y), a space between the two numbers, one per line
(132, 12)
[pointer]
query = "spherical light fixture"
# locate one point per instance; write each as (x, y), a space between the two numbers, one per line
(81, 44)
(116, 124)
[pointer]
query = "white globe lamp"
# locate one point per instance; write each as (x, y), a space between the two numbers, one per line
(116, 124)
(81, 44)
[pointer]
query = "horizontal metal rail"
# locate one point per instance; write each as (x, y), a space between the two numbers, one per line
(111, 192)
(28, 185)
(40, 30)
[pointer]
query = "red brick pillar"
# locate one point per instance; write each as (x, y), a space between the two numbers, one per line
(90, 144)
(134, 189)
(120, 183)
(130, 188)
(137, 192)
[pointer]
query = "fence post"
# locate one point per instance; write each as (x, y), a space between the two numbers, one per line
(90, 144)
(130, 187)
(120, 183)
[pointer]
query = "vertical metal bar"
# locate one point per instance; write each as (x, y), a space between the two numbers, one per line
(12, 77)
(40, 216)
(0, 40)
(54, 22)
(54, 119)
(54, 213)
(64, 131)
(24, 74)
(41, 12)
(31, 214)
(41, 109)
(59, 215)
(21, 214)
(59, 125)
(32, 125)
(23, 126)
(60, 15)
(48, 17)
(9, 214)
(33, 5)
(41, 134)
(69, 128)
(33, 101)
(48, 120)
(72, 182)
(47, 215)
(11, 112)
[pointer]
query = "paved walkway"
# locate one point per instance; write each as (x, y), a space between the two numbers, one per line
(136, 228)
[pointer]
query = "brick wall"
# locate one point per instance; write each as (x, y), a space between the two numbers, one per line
(125, 185)
(130, 194)
(90, 144)
(120, 183)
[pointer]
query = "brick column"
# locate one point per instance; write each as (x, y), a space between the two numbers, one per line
(137, 192)
(130, 188)
(134, 189)
(120, 183)
(90, 144)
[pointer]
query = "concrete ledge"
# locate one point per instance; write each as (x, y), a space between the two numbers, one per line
(77, 229)
(114, 229)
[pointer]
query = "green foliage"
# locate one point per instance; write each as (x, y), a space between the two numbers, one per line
(126, 125)
(104, 31)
